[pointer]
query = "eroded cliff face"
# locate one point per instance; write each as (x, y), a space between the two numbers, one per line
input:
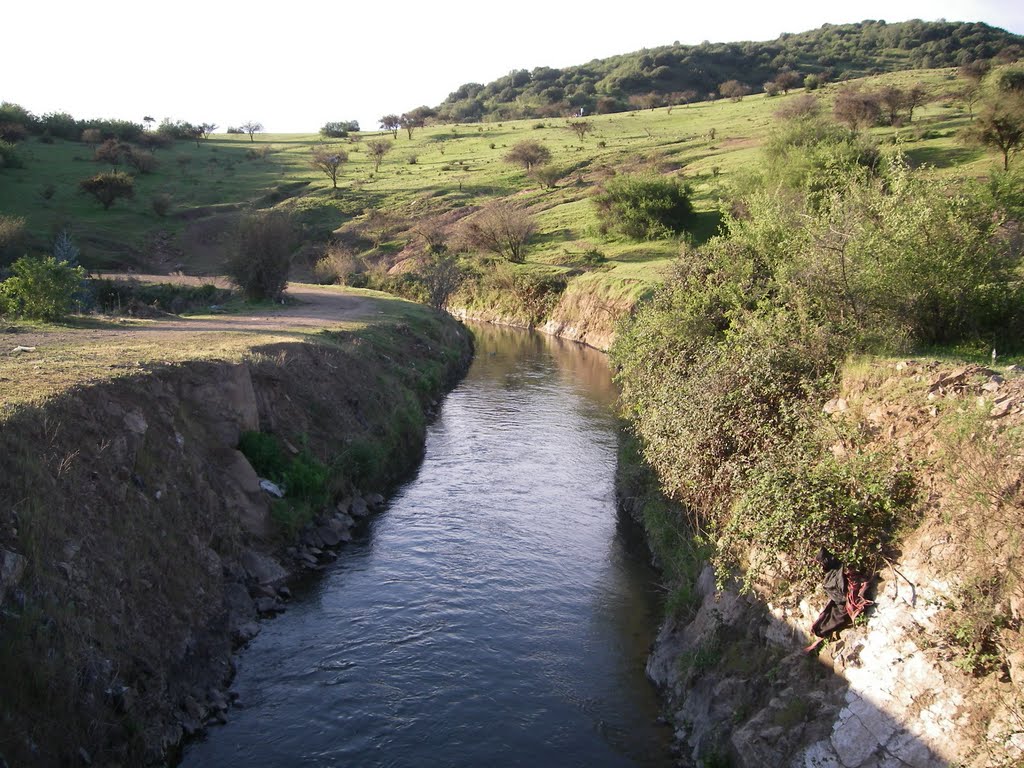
(138, 548)
(933, 673)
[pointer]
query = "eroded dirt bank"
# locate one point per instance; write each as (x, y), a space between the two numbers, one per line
(137, 547)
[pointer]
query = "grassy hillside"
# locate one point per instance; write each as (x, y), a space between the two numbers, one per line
(439, 171)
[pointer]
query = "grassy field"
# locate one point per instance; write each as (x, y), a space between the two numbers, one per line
(439, 169)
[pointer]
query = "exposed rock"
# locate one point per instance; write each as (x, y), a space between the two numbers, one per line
(329, 535)
(262, 568)
(135, 422)
(272, 488)
(374, 501)
(12, 568)
(268, 606)
(359, 507)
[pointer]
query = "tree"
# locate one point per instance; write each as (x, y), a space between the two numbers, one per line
(787, 80)
(442, 276)
(149, 120)
(328, 160)
(734, 90)
(856, 109)
(338, 129)
(262, 255)
(501, 229)
(109, 187)
(892, 100)
(376, 150)
(391, 123)
(916, 96)
(111, 151)
(528, 154)
(207, 128)
(251, 128)
(1000, 126)
(411, 122)
(581, 128)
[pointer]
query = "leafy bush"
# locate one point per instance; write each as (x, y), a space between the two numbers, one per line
(12, 237)
(9, 156)
(262, 254)
(337, 265)
(339, 129)
(108, 187)
(42, 288)
(645, 207)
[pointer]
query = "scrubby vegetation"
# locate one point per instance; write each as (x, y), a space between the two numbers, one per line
(723, 374)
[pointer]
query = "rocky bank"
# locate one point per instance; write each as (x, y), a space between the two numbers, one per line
(933, 673)
(138, 545)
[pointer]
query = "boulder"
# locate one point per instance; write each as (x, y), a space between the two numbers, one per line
(12, 568)
(262, 568)
(359, 507)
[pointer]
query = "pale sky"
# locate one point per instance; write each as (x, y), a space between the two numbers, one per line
(295, 67)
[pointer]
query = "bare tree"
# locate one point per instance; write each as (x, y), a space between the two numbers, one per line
(328, 160)
(207, 128)
(787, 80)
(916, 96)
(501, 229)
(892, 100)
(442, 276)
(734, 90)
(528, 154)
(856, 109)
(376, 149)
(581, 128)
(391, 123)
(251, 128)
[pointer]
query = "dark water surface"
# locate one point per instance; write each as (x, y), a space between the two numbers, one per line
(497, 613)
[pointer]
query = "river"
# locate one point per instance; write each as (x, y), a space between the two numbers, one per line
(497, 613)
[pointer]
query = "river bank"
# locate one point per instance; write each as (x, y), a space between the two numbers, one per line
(138, 546)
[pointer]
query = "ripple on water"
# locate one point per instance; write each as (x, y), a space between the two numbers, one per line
(492, 615)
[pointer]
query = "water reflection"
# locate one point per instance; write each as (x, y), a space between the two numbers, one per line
(497, 613)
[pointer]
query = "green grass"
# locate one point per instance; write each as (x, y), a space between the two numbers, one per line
(455, 166)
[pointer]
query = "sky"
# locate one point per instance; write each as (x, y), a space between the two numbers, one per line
(294, 68)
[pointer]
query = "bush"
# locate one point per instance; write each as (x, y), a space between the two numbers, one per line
(9, 156)
(12, 238)
(262, 255)
(528, 154)
(645, 207)
(41, 288)
(161, 204)
(141, 161)
(109, 187)
(337, 265)
(500, 229)
(549, 175)
(339, 129)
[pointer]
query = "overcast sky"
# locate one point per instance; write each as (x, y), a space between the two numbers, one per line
(295, 67)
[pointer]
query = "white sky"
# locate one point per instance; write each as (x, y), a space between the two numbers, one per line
(296, 67)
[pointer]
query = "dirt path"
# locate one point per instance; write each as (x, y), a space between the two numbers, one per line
(317, 307)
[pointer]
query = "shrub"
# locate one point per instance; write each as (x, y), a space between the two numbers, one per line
(549, 175)
(337, 265)
(161, 204)
(645, 207)
(339, 129)
(12, 237)
(528, 154)
(262, 255)
(12, 132)
(141, 161)
(9, 156)
(500, 229)
(41, 288)
(109, 187)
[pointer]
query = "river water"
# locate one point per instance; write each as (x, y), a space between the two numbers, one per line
(497, 613)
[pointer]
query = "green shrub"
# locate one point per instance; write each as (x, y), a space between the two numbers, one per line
(42, 288)
(109, 187)
(645, 207)
(12, 238)
(9, 156)
(262, 255)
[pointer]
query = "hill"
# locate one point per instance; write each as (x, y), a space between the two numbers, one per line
(684, 73)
